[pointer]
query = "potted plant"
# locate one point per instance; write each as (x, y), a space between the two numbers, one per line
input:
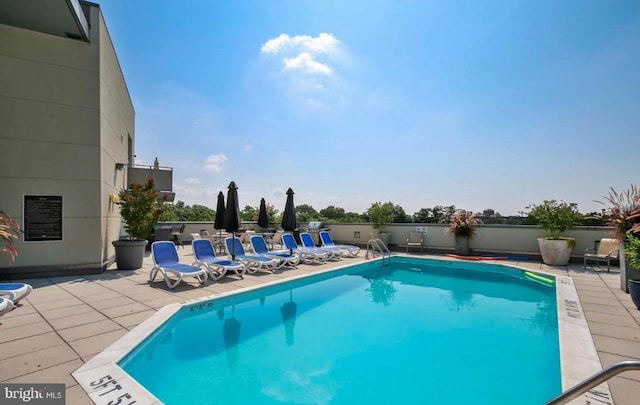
(381, 215)
(140, 209)
(556, 218)
(632, 251)
(462, 225)
(622, 215)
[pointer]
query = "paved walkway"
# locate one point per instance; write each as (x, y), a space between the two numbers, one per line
(67, 320)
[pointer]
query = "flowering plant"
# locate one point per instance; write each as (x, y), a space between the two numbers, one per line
(462, 223)
(140, 209)
(8, 232)
(624, 214)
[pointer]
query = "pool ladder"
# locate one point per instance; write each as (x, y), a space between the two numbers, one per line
(596, 379)
(374, 245)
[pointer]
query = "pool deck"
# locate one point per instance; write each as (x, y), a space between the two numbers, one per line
(66, 321)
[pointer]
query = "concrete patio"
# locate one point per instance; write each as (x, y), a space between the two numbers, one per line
(68, 320)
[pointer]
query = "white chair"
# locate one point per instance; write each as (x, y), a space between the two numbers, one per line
(607, 249)
(416, 239)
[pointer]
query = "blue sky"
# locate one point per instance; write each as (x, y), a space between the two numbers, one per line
(479, 104)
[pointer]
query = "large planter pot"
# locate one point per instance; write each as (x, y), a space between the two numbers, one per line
(129, 253)
(634, 291)
(384, 237)
(555, 252)
(462, 245)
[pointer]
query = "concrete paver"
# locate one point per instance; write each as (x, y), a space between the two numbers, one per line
(67, 320)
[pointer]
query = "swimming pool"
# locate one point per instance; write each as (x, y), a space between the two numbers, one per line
(415, 331)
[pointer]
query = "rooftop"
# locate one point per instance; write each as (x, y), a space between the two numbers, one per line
(66, 321)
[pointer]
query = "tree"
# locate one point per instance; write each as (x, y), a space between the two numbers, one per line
(249, 213)
(332, 213)
(381, 215)
(306, 213)
(433, 215)
(201, 213)
(179, 212)
(399, 215)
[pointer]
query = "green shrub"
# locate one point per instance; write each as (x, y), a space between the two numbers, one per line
(555, 217)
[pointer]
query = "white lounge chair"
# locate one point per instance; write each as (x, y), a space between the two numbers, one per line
(252, 262)
(259, 246)
(331, 251)
(15, 291)
(6, 305)
(205, 256)
(166, 261)
(350, 250)
(306, 255)
(607, 249)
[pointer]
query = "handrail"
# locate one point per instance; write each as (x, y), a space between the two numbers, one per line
(596, 379)
(382, 248)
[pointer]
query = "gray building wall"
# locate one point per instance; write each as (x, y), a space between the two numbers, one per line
(66, 120)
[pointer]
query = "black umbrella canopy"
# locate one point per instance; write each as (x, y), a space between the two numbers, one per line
(232, 214)
(289, 223)
(263, 219)
(219, 221)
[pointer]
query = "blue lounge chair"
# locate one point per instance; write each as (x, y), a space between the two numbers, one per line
(6, 305)
(205, 256)
(259, 246)
(306, 255)
(350, 250)
(166, 261)
(252, 262)
(307, 242)
(15, 291)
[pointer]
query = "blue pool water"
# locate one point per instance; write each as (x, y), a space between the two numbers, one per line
(414, 332)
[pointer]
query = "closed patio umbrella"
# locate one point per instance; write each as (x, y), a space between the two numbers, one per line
(219, 220)
(263, 219)
(232, 214)
(289, 223)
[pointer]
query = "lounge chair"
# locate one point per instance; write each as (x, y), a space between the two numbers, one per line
(6, 305)
(276, 239)
(306, 255)
(349, 250)
(252, 262)
(607, 249)
(15, 291)
(166, 261)
(415, 239)
(205, 256)
(259, 246)
(307, 242)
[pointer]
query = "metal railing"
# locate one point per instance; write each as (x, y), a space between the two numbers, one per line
(596, 379)
(377, 244)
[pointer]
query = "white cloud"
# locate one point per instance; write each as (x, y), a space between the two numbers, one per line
(323, 43)
(192, 180)
(301, 52)
(305, 62)
(215, 163)
(310, 71)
